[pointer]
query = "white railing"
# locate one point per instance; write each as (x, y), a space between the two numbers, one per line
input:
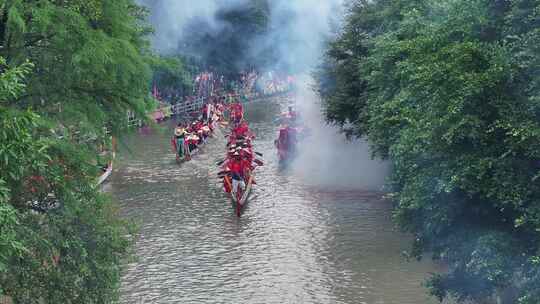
(185, 107)
(133, 121)
(188, 107)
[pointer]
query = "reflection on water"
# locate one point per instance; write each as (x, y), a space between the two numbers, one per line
(294, 244)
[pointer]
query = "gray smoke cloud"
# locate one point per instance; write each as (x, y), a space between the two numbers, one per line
(327, 158)
(300, 27)
(170, 18)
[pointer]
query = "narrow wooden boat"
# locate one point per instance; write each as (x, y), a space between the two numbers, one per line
(106, 174)
(190, 153)
(187, 156)
(108, 169)
(181, 160)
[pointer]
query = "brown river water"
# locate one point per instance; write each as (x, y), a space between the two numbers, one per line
(297, 242)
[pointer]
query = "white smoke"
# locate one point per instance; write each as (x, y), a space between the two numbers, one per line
(300, 28)
(327, 158)
(170, 18)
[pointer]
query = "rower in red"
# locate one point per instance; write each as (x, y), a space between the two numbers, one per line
(227, 182)
(237, 112)
(286, 142)
(247, 155)
(242, 130)
(236, 166)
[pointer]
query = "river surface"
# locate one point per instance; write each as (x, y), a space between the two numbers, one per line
(297, 242)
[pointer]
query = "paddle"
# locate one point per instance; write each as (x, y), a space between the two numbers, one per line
(259, 153)
(258, 162)
(222, 174)
(221, 162)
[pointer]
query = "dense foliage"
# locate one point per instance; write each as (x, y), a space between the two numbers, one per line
(173, 77)
(449, 91)
(67, 70)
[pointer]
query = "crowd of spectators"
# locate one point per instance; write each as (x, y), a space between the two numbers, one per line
(247, 85)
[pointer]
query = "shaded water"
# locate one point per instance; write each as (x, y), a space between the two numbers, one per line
(294, 244)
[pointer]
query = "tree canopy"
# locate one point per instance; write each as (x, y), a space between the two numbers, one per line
(449, 91)
(90, 57)
(69, 71)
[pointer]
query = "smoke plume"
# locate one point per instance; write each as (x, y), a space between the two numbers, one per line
(327, 158)
(170, 18)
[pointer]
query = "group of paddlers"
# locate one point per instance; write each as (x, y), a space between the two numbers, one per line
(240, 159)
(250, 83)
(291, 131)
(188, 137)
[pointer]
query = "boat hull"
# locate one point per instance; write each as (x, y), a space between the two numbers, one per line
(188, 156)
(105, 174)
(240, 202)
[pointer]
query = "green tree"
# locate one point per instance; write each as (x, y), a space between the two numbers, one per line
(60, 241)
(173, 74)
(11, 85)
(449, 92)
(90, 57)
(67, 70)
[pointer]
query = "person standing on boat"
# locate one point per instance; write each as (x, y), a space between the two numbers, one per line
(236, 167)
(209, 113)
(237, 112)
(180, 137)
(205, 112)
